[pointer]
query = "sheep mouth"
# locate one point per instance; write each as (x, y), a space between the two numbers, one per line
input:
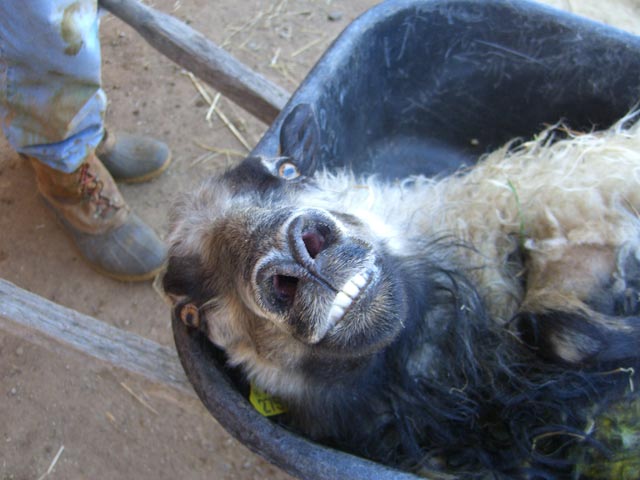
(353, 290)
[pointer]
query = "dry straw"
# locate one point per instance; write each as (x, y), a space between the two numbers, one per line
(53, 463)
(141, 400)
(214, 107)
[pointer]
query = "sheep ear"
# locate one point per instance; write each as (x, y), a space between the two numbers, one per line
(182, 280)
(183, 284)
(300, 139)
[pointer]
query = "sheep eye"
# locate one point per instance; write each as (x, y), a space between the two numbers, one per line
(288, 171)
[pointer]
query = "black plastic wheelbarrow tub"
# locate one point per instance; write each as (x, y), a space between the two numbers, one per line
(425, 87)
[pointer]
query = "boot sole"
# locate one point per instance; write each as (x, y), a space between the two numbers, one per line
(123, 278)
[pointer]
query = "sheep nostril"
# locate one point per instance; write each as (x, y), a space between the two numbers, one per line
(313, 242)
(285, 288)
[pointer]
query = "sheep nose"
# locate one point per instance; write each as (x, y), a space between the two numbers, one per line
(314, 241)
(310, 233)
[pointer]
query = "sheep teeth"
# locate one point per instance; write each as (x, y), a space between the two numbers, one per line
(335, 314)
(341, 303)
(347, 294)
(343, 300)
(359, 280)
(350, 290)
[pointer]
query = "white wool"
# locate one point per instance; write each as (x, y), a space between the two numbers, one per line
(580, 190)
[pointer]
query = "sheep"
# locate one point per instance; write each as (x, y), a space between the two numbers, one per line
(482, 324)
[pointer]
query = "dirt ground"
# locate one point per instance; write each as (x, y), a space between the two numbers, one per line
(59, 405)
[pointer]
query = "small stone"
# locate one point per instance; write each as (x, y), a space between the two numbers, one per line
(19, 351)
(335, 16)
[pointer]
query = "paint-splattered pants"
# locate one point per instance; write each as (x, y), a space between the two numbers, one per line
(51, 101)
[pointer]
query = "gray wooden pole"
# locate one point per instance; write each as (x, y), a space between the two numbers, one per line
(34, 318)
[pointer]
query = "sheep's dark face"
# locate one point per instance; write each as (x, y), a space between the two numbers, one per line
(321, 276)
(279, 275)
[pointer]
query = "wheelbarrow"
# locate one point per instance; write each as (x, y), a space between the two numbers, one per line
(418, 86)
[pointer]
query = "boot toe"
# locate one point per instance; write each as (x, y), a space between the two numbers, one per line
(130, 252)
(133, 158)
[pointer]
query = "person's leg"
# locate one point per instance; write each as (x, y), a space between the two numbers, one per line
(51, 110)
(51, 101)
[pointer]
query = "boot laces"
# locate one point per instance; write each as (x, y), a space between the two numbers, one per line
(91, 188)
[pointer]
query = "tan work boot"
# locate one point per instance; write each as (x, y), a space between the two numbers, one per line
(111, 237)
(133, 158)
